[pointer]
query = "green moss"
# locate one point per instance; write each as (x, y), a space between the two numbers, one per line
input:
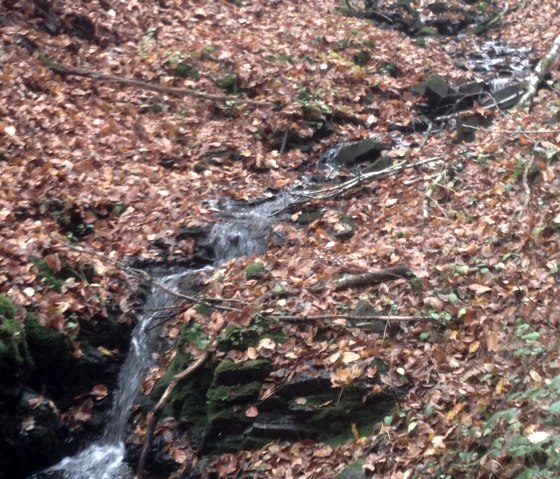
(228, 83)
(55, 280)
(15, 361)
(8, 309)
(13, 343)
(354, 470)
(192, 334)
(221, 396)
(228, 373)
(427, 32)
(183, 70)
(307, 217)
(47, 275)
(240, 338)
(255, 270)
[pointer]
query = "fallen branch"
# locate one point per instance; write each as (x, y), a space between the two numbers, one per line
(350, 185)
(526, 188)
(539, 73)
(158, 409)
(180, 92)
(351, 281)
(350, 317)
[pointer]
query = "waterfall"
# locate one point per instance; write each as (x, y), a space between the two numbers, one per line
(104, 458)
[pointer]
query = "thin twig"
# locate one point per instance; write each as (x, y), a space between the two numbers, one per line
(144, 276)
(431, 190)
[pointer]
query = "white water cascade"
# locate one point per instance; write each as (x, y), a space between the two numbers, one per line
(104, 459)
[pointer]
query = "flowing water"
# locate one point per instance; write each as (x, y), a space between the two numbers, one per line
(244, 232)
(104, 458)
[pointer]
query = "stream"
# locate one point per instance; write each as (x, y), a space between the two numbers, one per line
(104, 458)
(243, 231)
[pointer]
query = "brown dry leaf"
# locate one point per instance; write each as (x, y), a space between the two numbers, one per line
(350, 357)
(53, 262)
(473, 347)
(28, 423)
(492, 341)
(179, 456)
(99, 391)
(324, 451)
(479, 288)
(433, 302)
(252, 411)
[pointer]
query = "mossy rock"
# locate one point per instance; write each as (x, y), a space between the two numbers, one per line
(240, 338)
(15, 361)
(237, 337)
(354, 470)
(55, 366)
(222, 396)
(255, 270)
(188, 401)
(228, 373)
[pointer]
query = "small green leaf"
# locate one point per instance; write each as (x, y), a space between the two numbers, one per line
(554, 408)
(412, 426)
(453, 299)
(531, 337)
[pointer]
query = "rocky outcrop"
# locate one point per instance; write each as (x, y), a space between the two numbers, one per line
(40, 377)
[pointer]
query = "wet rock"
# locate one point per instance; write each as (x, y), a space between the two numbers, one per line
(353, 152)
(32, 436)
(353, 471)
(435, 89)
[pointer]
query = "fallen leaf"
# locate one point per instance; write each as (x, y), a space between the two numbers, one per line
(350, 357)
(324, 451)
(252, 411)
(538, 436)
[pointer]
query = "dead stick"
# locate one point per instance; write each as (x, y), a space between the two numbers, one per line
(180, 92)
(352, 281)
(540, 72)
(158, 409)
(374, 317)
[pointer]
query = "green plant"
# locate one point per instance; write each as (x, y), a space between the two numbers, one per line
(228, 83)
(345, 8)
(442, 317)
(514, 435)
(147, 43)
(8, 309)
(530, 338)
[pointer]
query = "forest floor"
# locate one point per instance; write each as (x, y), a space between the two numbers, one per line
(123, 171)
